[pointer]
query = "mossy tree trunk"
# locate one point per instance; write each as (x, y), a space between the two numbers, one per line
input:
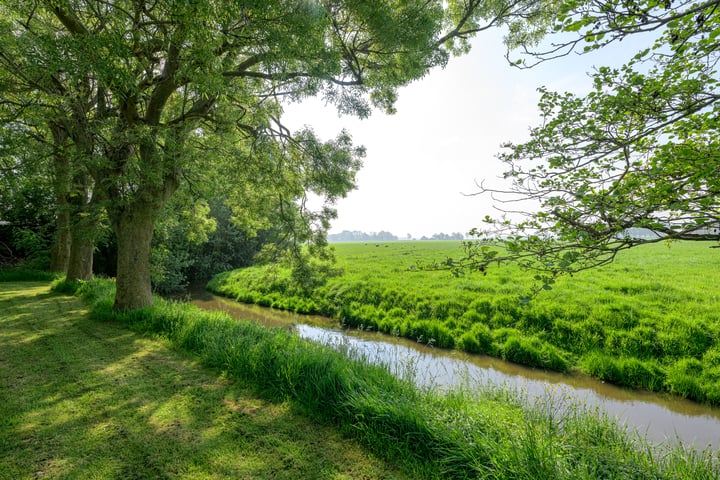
(134, 230)
(60, 250)
(84, 228)
(80, 261)
(133, 221)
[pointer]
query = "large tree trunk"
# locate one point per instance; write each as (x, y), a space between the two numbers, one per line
(134, 230)
(81, 259)
(60, 250)
(84, 228)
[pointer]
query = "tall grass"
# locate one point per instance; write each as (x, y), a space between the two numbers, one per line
(486, 433)
(636, 322)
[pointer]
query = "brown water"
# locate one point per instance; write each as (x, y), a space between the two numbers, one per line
(657, 417)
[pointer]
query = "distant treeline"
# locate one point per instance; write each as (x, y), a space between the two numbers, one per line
(382, 236)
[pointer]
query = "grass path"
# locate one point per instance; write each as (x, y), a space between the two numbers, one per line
(84, 399)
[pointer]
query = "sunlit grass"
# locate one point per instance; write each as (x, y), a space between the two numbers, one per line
(463, 433)
(82, 399)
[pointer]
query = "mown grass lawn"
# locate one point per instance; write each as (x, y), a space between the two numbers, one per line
(86, 399)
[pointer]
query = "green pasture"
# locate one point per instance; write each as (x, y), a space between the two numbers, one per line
(650, 320)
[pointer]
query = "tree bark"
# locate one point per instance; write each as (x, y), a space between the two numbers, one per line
(60, 250)
(83, 228)
(80, 262)
(134, 231)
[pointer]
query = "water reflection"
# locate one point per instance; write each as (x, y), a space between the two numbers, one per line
(657, 417)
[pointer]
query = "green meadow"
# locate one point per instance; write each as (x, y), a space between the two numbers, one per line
(649, 320)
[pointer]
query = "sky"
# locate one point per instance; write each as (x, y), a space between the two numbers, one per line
(424, 162)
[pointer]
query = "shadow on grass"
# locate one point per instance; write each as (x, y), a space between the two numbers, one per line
(85, 399)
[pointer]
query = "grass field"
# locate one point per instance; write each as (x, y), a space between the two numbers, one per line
(650, 320)
(86, 396)
(81, 399)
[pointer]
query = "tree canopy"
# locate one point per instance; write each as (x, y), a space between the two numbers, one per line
(131, 95)
(640, 150)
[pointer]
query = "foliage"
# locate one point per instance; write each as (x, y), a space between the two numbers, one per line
(26, 208)
(640, 150)
(183, 226)
(23, 274)
(631, 323)
(457, 434)
(357, 236)
(149, 95)
(32, 245)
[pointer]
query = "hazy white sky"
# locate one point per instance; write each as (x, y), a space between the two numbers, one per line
(443, 138)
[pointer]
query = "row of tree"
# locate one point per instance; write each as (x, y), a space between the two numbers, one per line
(383, 236)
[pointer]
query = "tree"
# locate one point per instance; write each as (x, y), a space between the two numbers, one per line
(46, 139)
(640, 150)
(26, 204)
(148, 89)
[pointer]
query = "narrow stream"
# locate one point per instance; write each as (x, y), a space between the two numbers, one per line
(657, 417)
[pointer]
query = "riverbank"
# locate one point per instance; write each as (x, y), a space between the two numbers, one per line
(657, 417)
(87, 399)
(457, 434)
(650, 320)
